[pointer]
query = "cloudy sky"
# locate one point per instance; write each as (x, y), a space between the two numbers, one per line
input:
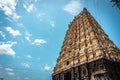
(32, 32)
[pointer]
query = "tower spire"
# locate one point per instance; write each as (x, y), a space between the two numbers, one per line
(85, 46)
(84, 9)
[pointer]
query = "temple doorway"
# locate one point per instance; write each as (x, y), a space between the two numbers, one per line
(67, 76)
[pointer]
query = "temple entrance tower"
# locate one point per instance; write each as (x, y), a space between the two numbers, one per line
(87, 52)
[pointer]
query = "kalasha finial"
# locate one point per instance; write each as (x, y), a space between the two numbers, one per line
(84, 9)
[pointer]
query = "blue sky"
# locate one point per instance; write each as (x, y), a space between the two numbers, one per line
(32, 32)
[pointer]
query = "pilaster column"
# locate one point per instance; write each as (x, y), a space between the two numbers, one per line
(72, 74)
(77, 73)
(62, 76)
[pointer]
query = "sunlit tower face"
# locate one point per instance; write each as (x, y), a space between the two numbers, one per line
(87, 52)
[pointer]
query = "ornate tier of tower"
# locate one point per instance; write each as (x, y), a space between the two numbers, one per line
(87, 52)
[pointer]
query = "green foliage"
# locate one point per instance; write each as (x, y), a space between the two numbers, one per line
(116, 3)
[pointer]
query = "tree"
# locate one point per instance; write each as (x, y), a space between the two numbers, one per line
(116, 3)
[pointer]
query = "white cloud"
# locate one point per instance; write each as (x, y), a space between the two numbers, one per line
(26, 78)
(13, 32)
(27, 36)
(20, 24)
(26, 65)
(11, 73)
(52, 23)
(39, 41)
(9, 8)
(2, 34)
(36, 0)
(72, 7)
(47, 67)
(28, 7)
(28, 56)
(35, 41)
(41, 14)
(6, 48)
(9, 69)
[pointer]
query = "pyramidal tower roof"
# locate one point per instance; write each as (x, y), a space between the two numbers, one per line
(85, 41)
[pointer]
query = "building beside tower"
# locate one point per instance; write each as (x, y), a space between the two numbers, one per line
(87, 52)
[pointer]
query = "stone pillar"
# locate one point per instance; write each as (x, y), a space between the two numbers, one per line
(77, 73)
(62, 76)
(53, 77)
(72, 74)
(85, 72)
(59, 76)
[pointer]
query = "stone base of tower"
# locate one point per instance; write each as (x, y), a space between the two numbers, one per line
(101, 69)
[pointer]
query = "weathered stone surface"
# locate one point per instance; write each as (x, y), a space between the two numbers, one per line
(87, 52)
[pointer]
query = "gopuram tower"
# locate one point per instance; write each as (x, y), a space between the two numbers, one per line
(87, 52)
